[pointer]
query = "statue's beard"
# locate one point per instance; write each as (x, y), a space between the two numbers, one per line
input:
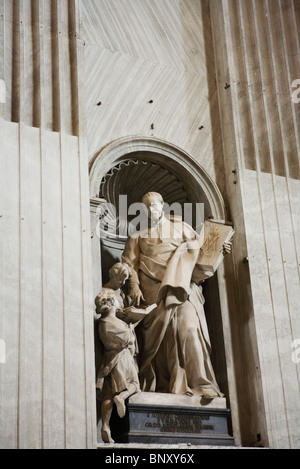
(154, 220)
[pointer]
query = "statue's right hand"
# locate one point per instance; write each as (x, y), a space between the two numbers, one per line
(136, 294)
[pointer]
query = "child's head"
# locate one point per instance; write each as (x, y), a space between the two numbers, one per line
(118, 275)
(105, 301)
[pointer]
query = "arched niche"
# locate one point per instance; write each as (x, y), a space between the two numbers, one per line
(177, 162)
(134, 166)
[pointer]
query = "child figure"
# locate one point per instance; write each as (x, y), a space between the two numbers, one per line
(118, 275)
(118, 376)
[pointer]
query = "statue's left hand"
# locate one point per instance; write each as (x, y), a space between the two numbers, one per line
(122, 314)
(136, 294)
(227, 248)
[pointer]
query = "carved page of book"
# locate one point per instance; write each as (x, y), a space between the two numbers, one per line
(211, 252)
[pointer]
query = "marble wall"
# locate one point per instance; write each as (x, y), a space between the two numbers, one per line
(211, 77)
(161, 51)
(259, 60)
(47, 376)
(39, 63)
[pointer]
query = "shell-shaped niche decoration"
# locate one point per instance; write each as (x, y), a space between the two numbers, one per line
(134, 178)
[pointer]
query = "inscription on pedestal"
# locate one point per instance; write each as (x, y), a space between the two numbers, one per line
(172, 424)
(163, 422)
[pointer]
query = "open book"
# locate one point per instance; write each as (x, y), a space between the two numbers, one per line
(133, 314)
(211, 253)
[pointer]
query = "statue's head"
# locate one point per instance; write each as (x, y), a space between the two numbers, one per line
(154, 204)
(118, 274)
(105, 301)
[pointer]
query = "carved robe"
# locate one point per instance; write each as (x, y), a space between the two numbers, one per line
(174, 341)
(119, 368)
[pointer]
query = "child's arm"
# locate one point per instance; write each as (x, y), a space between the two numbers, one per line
(133, 315)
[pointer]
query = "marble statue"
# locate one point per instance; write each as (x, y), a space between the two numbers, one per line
(174, 355)
(118, 376)
(118, 275)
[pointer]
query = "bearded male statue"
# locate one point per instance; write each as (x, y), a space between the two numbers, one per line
(174, 346)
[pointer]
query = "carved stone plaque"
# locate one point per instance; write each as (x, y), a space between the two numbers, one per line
(177, 423)
(152, 423)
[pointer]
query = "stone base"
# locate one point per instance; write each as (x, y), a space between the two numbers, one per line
(173, 419)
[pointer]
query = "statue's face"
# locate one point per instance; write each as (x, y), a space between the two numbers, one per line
(106, 303)
(155, 210)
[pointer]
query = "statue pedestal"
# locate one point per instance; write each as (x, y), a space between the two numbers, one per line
(171, 419)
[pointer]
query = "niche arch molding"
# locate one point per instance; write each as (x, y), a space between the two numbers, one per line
(153, 150)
